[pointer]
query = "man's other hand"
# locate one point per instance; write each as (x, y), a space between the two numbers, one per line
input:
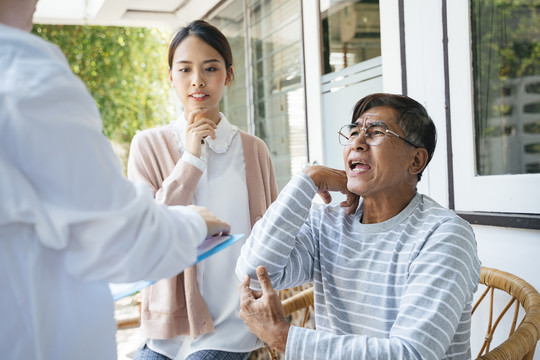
(263, 313)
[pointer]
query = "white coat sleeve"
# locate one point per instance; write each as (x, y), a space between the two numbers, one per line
(59, 173)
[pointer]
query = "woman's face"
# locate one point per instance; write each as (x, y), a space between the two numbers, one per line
(199, 76)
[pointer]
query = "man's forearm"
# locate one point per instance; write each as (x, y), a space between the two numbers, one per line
(280, 335)
(274, 240)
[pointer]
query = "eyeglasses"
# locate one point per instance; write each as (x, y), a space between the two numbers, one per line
(374, 134)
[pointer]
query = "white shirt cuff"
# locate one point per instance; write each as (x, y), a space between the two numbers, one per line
(193, 160)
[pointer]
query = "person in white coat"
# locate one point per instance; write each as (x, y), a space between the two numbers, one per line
(70, 222)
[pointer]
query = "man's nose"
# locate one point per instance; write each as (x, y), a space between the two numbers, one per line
(359, 142)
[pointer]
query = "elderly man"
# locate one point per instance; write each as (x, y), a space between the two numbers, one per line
(394, 277)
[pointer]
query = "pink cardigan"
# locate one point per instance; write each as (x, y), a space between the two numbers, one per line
(174, 306)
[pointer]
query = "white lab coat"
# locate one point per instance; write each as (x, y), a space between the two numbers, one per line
(70, 223)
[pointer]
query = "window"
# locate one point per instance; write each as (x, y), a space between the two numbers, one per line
(230, 20)
(351, 42)
(267, 96)
(506, 68)
(494, 105)
(278, 91)
(351, 32)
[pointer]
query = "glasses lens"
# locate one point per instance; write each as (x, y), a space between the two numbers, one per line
(347, 134)
(375, 134)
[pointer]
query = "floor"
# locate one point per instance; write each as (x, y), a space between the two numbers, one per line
(127, 340)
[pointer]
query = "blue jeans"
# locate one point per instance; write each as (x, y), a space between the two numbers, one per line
(147, 354)
(217, 355)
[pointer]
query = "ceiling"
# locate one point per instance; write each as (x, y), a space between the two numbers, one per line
(154, 13)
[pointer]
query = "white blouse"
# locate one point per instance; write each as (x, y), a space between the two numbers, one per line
(222, 188)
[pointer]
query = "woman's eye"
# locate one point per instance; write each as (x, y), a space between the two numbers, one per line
(183, 70)
(210, 69)
(354, 133)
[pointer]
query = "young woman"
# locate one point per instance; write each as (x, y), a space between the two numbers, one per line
(202, 159)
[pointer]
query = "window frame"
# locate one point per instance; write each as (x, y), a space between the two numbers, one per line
(500, 200)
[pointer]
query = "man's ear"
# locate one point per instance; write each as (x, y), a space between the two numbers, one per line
(419, 160)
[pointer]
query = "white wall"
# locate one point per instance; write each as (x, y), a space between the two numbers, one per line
(514, 251)
(341, 90)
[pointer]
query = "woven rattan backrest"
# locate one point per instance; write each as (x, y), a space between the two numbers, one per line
(302, 300)
(522, 339)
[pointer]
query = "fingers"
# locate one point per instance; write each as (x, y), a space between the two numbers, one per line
(198, 127)
(353, 205)
(325, 196)
(213, 224)
(197, 122)
(264, 280)
(216, 226)
(246, 298)
(327, 179)
(243, 288)
(201, 129)
(192, 116)
(243, 292)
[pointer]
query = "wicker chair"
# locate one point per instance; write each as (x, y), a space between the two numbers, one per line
(521, 342)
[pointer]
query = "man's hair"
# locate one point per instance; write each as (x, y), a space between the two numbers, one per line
(412, 118)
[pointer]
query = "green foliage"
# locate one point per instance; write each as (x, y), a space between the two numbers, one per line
(506, 47)
(125, 70)
(506, 52)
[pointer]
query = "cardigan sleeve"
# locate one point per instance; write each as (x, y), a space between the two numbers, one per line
(152, 161)
(260, 176)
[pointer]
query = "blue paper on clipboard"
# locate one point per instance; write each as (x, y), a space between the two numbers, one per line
(209, 247)
(215, 244)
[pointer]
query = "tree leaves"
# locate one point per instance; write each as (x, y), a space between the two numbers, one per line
(125, 70)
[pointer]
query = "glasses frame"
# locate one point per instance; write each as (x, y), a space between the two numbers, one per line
(365, 134)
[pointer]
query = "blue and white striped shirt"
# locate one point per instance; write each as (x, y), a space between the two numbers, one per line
(400, 289)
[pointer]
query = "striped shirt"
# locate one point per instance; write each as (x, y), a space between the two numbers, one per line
(400, 289)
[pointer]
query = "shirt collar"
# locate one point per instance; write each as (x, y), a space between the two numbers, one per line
(225, 132)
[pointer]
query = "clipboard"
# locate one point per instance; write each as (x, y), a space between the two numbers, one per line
(210, 246)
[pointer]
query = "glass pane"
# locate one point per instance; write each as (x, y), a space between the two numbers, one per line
(277, 68)
(351, 32)
(230, 20)
(506, 68)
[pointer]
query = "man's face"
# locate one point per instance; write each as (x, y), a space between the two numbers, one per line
(382, 170)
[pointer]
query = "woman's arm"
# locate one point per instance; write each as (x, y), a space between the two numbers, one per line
(151, 162)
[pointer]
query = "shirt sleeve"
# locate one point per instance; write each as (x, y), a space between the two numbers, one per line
(282, 239)
(71, 184)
